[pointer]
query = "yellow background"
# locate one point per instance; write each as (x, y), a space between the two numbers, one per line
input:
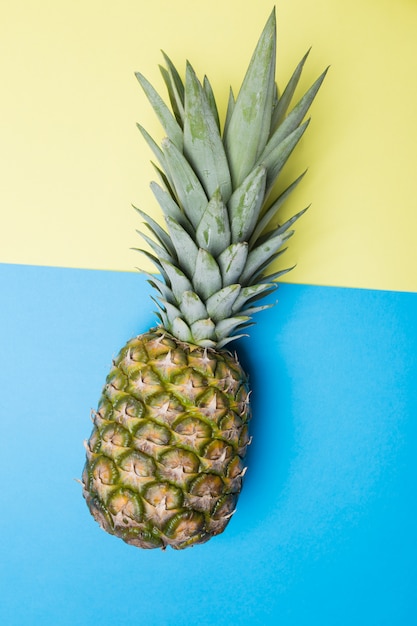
(72, 161)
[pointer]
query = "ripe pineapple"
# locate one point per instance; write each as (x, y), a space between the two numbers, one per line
(165, 460)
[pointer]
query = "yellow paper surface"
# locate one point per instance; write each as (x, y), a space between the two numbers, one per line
(72, 161)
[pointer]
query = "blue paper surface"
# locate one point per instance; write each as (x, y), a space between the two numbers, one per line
(325, 530)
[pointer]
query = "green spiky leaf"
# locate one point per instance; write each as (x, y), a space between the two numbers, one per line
(160, 286)
(226, 327)
(245, 204)
(167, 119)
(177, 280)
(220, 304)
(153, 146)
(271, 212)
(207, 278)
(184, 245)
(160, 252)
(284, 101)
(260, 255)
(192, 307)
(249, 294)
(177, 104)
(208, 90)
(250, 123)
(176, 78)
(230, 108)
(203, 146)
(232, 262)
(181, 330)
(296, 116)
(188, 188)
(171, 311)
(170, 208)
(213, 231)
(275, 160)
(283, 228)
(203, 330)
(158, 232)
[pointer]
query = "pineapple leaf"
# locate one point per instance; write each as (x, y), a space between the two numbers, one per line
(203, 146)
(274, 233)
(272, 211)
(232, 262)
(203, 329)
(177, 83)
(169, 207)
(207, 278)
(169, 309)
(166, 118)
(219, 305)
(163, 318)
(230, 107)
(185, 247)
(276, 159)
(181, 330)
(213, 231)
(153, 145)
(275, 99)
(261, 255)
(286, 225)
(249, 126)
(208, 90)
(163, 178)
(176, 104)
(151, 258)
(259, 277)
(296, 116)
(158, 232)
(178, 281)
(250, 294)
(245, 204)
(160, 252)
(284, 100)
(161, 311)
(220, 344)
(275, 275)
(224, 328)
(257, 309)
(192, 307)
(160, 286)
(188, 188)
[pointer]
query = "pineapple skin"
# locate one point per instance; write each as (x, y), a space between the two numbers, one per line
(165, 458)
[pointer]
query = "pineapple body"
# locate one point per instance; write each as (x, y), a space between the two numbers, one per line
(165, 458)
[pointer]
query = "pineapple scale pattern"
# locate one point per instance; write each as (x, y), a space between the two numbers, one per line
(165, 459)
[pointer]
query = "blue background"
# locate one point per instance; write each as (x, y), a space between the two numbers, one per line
(325, 531)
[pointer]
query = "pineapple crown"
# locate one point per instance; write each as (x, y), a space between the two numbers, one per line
(215, 189)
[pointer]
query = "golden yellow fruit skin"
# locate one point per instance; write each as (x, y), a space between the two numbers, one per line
(165, 458)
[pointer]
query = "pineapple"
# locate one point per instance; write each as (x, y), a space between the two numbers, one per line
(165, 460)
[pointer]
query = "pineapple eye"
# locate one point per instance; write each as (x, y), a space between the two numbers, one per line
(153, 433)
(186, 528)
(137, 465)
(178, 465)
(192, 429)
(218, 451)
(161, 492)
(114, 435)
(125, 507)
(116, 381)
